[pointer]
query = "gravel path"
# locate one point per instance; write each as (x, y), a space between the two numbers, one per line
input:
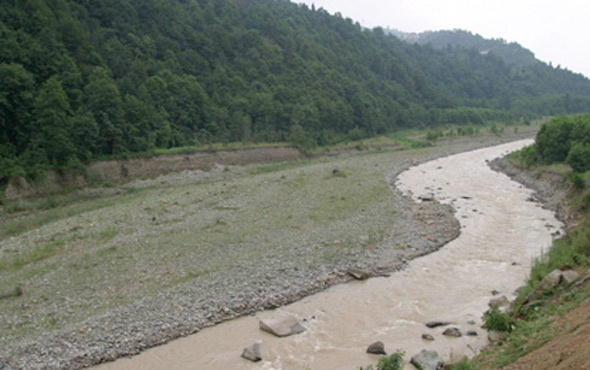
(168, 293)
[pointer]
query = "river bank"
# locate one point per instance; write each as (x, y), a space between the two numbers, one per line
(453, 285)
(221, 288)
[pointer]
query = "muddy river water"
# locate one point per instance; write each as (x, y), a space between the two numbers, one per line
(501, 234)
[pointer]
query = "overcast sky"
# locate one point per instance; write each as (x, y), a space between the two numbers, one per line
(556, 31)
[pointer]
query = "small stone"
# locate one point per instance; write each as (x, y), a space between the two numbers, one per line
(435, 324)
(377, 348)
(427, 337)
(252, 353)
(452, 332)
(495, 292)
(471, 333)
(426, 197)
(499, 302)
(471, 322)
(495, 336)
(359, 274)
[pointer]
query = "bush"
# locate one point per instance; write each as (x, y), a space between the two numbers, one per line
(579, 157)
(578, 180)
(529, 156)
(393, 362)
(496, 320)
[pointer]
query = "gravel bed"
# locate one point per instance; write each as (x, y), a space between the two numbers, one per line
(283, 275)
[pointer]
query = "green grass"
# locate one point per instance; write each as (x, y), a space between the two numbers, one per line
(279, 166)
(38, 213)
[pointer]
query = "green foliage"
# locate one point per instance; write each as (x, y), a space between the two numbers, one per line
(578, 180)
(300, 139)
(496, 320)
(579, 157)
(556, 138)
(529, 156)
(465, 365)
(434, 135)
(81, 80)
(392, 362)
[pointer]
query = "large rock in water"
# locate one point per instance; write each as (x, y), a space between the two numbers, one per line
(282, 327)
(428, 360)
(377, 348)
(252, 353)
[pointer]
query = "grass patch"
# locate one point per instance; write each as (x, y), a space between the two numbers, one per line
(39, 253)
(38, 215)
(279, 166)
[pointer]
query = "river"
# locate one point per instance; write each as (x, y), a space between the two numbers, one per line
(502, 232)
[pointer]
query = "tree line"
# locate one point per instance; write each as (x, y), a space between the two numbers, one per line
(81, 80)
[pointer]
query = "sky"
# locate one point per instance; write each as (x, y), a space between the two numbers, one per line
(555, 31)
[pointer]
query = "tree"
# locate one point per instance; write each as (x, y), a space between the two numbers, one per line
(104, 101)
(16, 98)
(53, 122)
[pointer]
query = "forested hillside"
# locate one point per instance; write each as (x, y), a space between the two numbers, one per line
(83, 79)
(511, 52)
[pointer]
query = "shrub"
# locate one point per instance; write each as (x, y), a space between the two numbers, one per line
(579, 157)
(529, 156)
(494, 319)
(393, 362)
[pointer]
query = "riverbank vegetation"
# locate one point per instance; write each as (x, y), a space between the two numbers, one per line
(544, 311)
(85, 80)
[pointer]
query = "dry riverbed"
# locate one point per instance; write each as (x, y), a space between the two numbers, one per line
(158, 259)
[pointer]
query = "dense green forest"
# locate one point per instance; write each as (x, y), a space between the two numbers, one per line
(85, 79)
(511, 52)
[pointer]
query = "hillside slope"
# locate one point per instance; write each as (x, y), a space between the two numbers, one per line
(88, 79)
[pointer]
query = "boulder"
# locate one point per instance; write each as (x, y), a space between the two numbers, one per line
(377, 348)
(452, 332)
(569, 276)
(282, 327)
(551, 280)
(499, 302)
(428, 360)
(435, 324)
(252, 353)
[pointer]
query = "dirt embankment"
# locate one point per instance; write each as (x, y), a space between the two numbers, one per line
(134, 168)
(570, 348)
(550, 188)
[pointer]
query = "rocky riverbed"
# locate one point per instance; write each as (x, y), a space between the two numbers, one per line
(79, 308)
